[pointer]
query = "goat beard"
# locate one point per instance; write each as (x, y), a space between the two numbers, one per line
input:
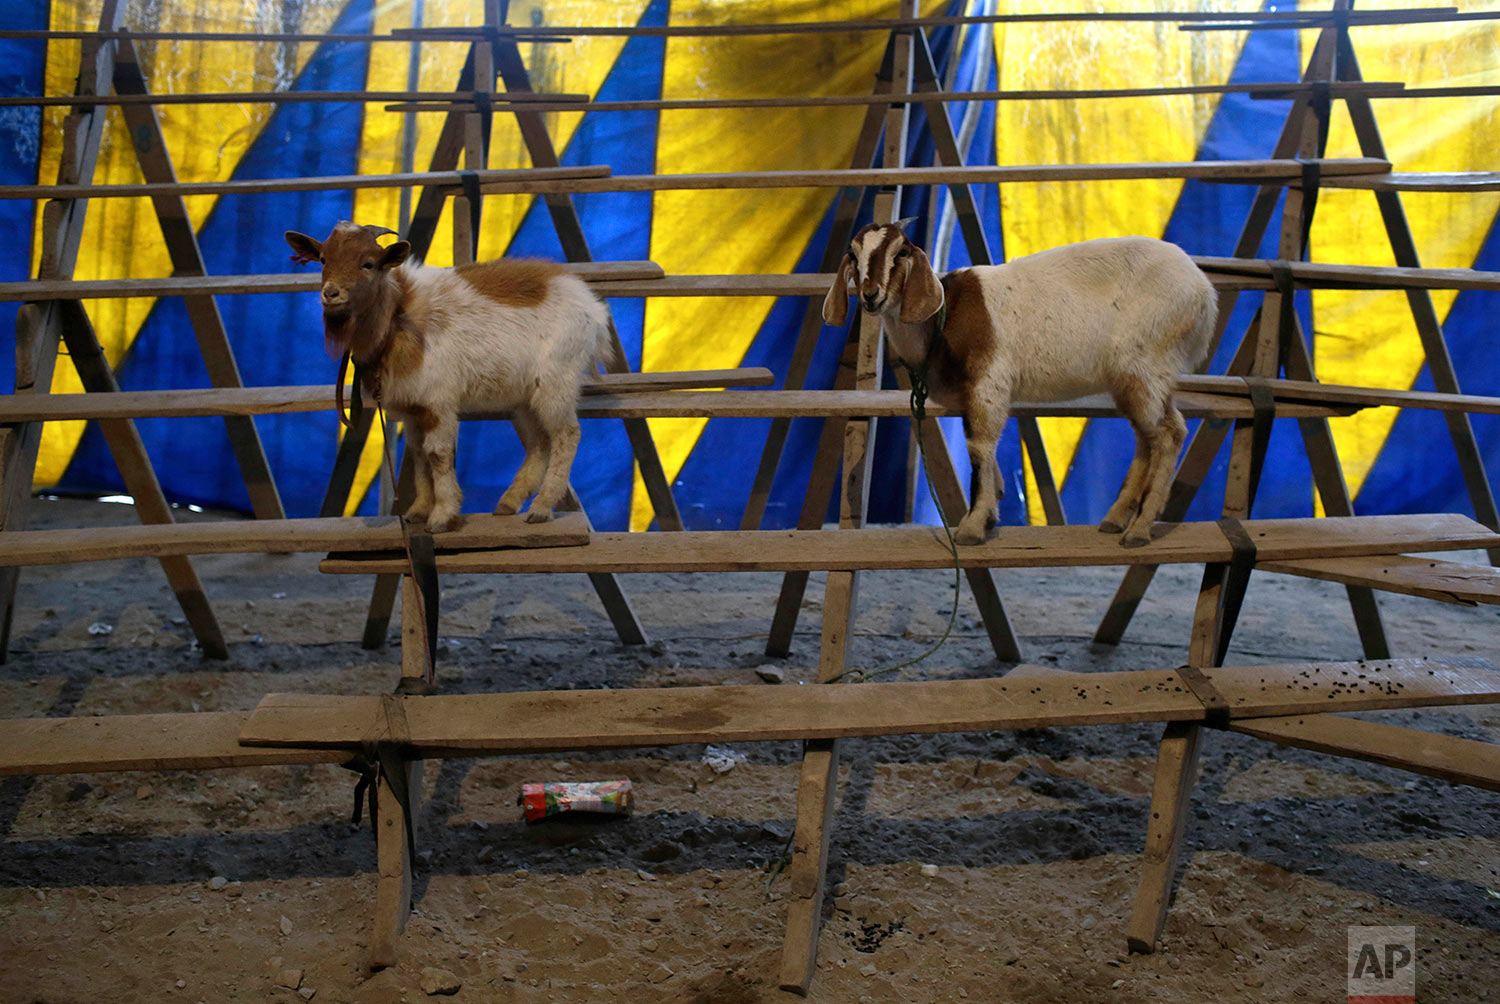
(338, 333)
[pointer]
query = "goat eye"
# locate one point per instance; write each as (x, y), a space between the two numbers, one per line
(368, 265)
(904, 253)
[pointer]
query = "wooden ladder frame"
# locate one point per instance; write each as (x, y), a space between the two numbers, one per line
(907, 69)
(467, 132)
(106, 62)
(1304, 135)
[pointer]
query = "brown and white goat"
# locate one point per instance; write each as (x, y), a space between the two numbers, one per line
(431, 342)
(1119, 315)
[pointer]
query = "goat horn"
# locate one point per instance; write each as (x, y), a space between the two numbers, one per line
(903, 224)
(375, 231)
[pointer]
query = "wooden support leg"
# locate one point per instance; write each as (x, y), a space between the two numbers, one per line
(394, 831)
(187, 259)
(394, 854)
(1328, 476)
(1201, 451)
(812, 319)
(809, 865)
(815, 800)
(820, 488)
(1171, 796)
(130, 456)
(1172, 792)
(346, 465)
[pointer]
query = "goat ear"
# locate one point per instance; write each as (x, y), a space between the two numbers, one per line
(305, 246)
(922, 296)
(395, 254)
(836, 303)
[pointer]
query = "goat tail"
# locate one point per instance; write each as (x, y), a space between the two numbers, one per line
(1200, 335)
(608, 351)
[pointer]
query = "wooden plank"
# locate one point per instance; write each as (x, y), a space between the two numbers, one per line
(129, 99)
(549, 33)
(36, 290)
(1459, 761)
(1245, 171)
(266, 186)
(926, 547)
(1447, 581)
(339, 533)
(635, 279)
(1317, 275)
(200, 741)
(1434, 181)
(445, 103)
(1313, 391)
(482, 724)
(1239, 20)
(284, 400)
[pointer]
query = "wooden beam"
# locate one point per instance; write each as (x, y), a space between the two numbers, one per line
(439, 102)
(266, 186)
(206, 740)
(915, 547)
(339, 533)
(1317, 275)
(1239, 20)
(637, 279)
(1449, 758)
(1242, 171)
(1404, 181)
(1445, 581)
(486, 724)
(36, 290)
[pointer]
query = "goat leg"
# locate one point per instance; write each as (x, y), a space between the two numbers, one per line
(439, 446)
(982, 424)
(529, 477)
(422, 498)
(1131, 491)
(1166, 441)
(563, 434)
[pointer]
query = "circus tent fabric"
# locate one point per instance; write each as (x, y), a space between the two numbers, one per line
(1393, 463)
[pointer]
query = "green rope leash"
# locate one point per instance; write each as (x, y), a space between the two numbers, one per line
(918, 375)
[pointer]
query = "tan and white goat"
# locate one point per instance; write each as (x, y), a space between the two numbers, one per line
(1122, 316)
(430, 342)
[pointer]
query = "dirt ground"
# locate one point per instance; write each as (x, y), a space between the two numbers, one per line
(988, 867)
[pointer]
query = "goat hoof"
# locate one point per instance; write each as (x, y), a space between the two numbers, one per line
(442, 524)
(1135, 540)
(968, 538)
(1109, 526)
(536, 515)
(504, 508)
(415, 515)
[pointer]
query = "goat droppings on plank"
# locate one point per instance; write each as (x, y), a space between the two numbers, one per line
(1122, 316)
(428, 343)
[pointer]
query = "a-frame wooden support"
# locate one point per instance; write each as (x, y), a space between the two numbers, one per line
(40, 327)
(466, 133)
(1281, 346)
(919, 76)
